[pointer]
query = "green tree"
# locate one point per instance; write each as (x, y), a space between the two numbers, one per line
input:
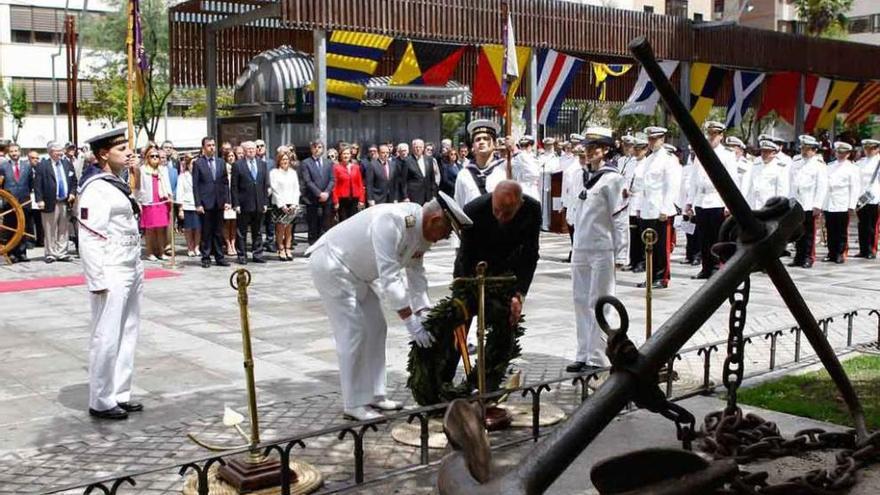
(824, 17)
(14, 102)
(108, 34)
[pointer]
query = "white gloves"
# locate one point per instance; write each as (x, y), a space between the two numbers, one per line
(417, 332)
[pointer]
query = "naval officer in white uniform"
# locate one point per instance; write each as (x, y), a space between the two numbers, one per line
(378, 251)
(597, 237)
(109, 245)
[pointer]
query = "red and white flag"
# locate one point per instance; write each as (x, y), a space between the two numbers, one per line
(556, 71)
(815, 93)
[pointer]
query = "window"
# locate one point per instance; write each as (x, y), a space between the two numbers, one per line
(862, 24)
(718, 6)
(698, 17)
(649, 9)
(36, 25)
(678, 8)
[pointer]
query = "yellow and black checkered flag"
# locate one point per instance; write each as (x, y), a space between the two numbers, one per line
(705, 81)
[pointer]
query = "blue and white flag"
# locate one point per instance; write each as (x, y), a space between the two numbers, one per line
(644, 97)
(745, 87)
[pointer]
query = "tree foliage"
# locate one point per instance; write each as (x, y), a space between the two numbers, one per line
(13, 101)
(824, 17)
(107, 35)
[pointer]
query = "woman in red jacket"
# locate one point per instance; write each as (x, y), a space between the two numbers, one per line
(348, 194)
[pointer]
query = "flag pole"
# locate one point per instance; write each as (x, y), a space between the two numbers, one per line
(129, 42)
(508, 118)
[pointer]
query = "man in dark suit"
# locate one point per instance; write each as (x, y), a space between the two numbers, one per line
(211, 195)
(250, 191)
(381, 178)
(16, 177)
(505, 232)
(418, 175)
(55, 191)
(317, 174)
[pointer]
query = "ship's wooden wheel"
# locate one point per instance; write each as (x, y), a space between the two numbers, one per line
(11, 237)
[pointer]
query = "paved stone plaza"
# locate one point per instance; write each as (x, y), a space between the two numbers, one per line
(189, 360)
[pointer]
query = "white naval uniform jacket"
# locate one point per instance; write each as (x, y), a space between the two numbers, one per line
(571, 187)
(702, 193)
(594, 228)
(636, 186)
(662, 178)
(743, 165)
(109, 239)
(526, 171)
(379, 245)
(844, 186)
(809, 183)
(466, 190)
(764, 181)
(867, 165)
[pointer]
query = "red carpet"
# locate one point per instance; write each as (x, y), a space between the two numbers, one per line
(53, 282)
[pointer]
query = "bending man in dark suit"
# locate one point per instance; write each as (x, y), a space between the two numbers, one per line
(317, 174)
(505, 231)
(381, 178)
(417, 175)
(211, 195)
(16, 177)
(250, 190)
(55, 191)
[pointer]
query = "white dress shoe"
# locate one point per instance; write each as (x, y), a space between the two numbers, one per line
(387, 405)
(361, 413)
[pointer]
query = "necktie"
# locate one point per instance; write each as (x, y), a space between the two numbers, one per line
(213, 168)
(61, 180)
(16, 171)
(386, 170)
(253, 168)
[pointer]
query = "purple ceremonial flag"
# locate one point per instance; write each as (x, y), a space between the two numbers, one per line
(143, 62)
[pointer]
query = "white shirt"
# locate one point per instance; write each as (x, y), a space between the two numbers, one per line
(809, 183)
(662, 179)
(526, 170)
(384, 245)
(145, 192)
(844, 186)
(867, 165)
(466, 189)
(108, 232)
(764, 181)
(571, 186)
(702, 193)
(184, 193)
(285, 187)
(594, 225)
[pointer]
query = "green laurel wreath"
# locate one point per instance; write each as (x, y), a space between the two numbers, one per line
(432, 370)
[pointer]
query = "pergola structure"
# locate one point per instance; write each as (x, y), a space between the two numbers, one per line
(212, 41)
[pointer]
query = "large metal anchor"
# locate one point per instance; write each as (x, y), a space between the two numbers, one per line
(760, 240)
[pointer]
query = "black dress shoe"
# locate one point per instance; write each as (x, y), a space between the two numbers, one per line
(257, 259)
(221, 262)
(702, 275)
(22, 258)
(859, 255)
(576, 367)
(839, 260)
(870, 256)
(241, 260)
(697, 262)
(113, 413)
(807, 264)
(827, 259)
(131, 406)
(206, 263)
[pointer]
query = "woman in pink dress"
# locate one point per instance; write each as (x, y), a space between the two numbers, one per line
(154, 196)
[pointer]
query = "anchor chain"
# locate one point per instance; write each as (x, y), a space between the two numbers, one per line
(730, 434)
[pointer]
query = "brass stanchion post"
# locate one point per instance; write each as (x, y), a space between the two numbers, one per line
(171, 222)
(649, 237)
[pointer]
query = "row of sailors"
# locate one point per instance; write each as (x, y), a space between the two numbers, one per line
(657, 188)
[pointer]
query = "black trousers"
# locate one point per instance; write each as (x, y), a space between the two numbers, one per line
(709, 222)
(12, 222)
(347, 208)
(253, 221)
(662, 248)
(805, 247)
(837, 227)
(34, 225)
(636, 246)
(692, 247)
(319, 217)
(212, 234)
(868, 229)
(269, 227)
